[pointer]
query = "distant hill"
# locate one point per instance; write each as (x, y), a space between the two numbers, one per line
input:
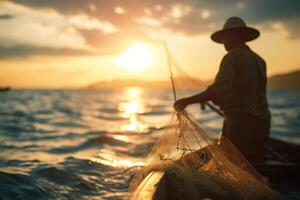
(121, 83)
(289, 81)
(286, 81)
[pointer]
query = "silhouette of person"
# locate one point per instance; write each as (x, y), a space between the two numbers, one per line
(240, 90)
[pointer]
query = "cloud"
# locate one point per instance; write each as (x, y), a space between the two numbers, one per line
(289, 28)
(266, 13)
(194, 14)
(48, 29)
(107, 26)
(6, 16)
(27, 51)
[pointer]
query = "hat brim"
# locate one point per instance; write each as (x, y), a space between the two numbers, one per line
(245, 33)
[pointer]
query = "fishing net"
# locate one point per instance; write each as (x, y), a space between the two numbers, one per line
(192, 165)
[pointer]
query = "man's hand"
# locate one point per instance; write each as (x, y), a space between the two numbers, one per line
(180, 105)
(201, 98)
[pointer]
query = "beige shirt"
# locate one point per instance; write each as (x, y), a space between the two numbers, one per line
(240, 85)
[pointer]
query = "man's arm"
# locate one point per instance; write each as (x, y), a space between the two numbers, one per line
(219, 91)
(201, 98)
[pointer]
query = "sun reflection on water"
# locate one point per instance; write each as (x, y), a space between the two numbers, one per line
(118, 163)
(123, 138)
(110, 158)
(131, 107)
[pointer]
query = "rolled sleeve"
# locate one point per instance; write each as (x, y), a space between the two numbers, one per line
(222, 88)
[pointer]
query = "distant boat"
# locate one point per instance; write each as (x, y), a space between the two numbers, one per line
(4, 89)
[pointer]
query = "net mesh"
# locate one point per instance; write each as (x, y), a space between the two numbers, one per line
(201, 167)
(209, 168)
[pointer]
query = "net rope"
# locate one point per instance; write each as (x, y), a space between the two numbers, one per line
(197, 165)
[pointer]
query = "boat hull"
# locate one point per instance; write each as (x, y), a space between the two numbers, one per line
(281, 167)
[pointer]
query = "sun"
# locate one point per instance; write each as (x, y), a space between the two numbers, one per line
(137, 57)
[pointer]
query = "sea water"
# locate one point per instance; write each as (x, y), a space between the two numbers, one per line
(87, 144)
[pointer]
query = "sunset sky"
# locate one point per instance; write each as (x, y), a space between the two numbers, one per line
(73, 43)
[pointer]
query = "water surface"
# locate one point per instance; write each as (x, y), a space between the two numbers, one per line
(87, 144)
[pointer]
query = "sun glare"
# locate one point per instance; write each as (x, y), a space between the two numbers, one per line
(137, 57)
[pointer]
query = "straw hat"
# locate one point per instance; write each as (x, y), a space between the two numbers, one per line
(236, 26)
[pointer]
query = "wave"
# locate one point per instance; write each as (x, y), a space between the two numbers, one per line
(110, 118)
(51, 125)
(57, 175)
(90, 143)
(156, 113)
(20, 186)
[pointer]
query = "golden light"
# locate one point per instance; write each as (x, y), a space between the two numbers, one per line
(123, 138)
(112, 159)
(131, 108)
(137, 57)
(132, 105)
(118, 163)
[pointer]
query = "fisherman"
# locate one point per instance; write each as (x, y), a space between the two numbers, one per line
(240, 90)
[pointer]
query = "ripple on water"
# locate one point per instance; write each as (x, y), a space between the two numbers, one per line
(20, 186)
(90, 143)
(85, 144)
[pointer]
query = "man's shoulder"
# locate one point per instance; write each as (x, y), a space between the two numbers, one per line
(240, 53)
(229, 56)
(258, 57)
(233, 53)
